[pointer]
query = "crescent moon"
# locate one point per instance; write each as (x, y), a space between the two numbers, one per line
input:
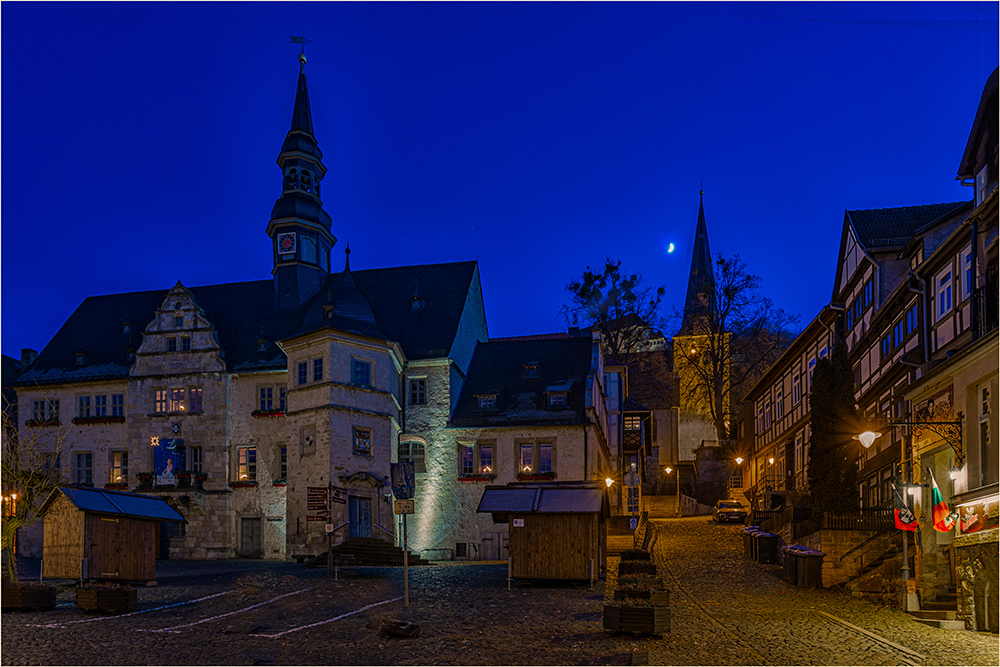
(670, 248)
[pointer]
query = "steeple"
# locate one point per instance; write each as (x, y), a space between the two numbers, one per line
(699, 290)
(300, 229)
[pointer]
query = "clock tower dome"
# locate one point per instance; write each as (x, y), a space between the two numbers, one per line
(300, 230)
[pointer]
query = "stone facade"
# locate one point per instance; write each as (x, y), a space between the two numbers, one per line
(977, 565)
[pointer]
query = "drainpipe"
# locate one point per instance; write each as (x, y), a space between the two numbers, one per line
(585, 452)
(925, 325)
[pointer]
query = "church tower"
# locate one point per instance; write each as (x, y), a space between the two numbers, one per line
(697, 301)
(300, 230)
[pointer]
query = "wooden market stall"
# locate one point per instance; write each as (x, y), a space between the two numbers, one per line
(557, 529)
(94, 533)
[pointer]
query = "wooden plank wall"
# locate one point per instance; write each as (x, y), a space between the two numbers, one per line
(620, 536)
(62, 541)
(555, 546)
(121, 548)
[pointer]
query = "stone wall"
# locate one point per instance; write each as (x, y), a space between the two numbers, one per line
(835, 544)
(976, 566)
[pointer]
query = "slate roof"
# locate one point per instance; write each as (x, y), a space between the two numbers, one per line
(120, 503)
(699, 277)
(498, 368)
(243, 312)
(891, 227)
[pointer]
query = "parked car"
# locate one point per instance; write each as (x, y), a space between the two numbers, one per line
(730, 510)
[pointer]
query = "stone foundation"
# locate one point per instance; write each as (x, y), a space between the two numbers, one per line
(976, 566)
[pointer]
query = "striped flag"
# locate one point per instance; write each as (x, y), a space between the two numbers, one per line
(944, 519)
(905, 520)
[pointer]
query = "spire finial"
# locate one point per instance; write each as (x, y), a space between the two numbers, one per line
(301, 39)
(701, 188)
(347, 260)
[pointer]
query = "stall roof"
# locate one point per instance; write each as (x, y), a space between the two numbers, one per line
(115, 502)
(579, 499)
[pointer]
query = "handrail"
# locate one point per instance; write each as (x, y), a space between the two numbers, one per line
(871, 539)
(346, 523)
(392, 535)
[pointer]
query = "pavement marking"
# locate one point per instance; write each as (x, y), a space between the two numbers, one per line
(880, 639)
(330, 620)
(174, 629)
(62, 624)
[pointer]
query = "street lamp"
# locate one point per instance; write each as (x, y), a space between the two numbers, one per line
(677, 502)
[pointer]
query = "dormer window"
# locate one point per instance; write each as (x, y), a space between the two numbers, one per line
(80, 357)
(531, 369)
(328, 311)
(261, 345)
(417, 303)
(486, 402)
(126, 327)
(557, 399)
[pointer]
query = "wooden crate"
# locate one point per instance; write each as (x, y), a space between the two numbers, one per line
(661, 598)
(26, 596)
(654, 620)
(106, 599)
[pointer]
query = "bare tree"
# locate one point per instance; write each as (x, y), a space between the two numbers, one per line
(617, 304)
(737, 336)
(29, 471)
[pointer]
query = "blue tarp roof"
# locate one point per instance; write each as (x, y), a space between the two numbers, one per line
(116, 502)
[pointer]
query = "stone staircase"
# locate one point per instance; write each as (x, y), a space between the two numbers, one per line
(366, 551)
(941, 613)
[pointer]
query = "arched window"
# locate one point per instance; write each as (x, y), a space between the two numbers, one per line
(292, 179)
(306, 181)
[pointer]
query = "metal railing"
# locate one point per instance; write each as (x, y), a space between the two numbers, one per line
(877, 519)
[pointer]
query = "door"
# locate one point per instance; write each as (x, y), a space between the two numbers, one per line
(360, 515)
(250, 538)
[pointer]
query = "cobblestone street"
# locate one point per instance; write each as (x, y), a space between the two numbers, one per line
(725, 611)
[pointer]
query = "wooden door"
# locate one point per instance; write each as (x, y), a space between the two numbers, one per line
(360, 515)
(250, 542)
(104, 544)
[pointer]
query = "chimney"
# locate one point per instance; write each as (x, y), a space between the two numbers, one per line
(28, 357)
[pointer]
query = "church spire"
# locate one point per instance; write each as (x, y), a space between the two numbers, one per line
(300, 230)
(699, 290)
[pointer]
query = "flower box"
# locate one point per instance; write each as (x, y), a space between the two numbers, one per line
(540, 477)
(116, 487)
(183, 480)
(243, 485)
(656, 598)
(476, 478)
(99, 420)
(93, 598)
(626, 567)
(654, 620)
(260, 414)
(635, 554)
(38, 597)
(43, 422)
(199, 480)
(145, 480)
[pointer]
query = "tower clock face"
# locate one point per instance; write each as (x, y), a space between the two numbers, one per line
(286, 242)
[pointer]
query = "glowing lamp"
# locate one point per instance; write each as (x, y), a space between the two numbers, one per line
(771, 460)
(739, 460)
(487, 470)
(867, 438)
(669, 470)
(609, 481)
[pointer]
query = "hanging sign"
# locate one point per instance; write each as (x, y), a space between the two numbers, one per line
(403, 479)
(316, 504)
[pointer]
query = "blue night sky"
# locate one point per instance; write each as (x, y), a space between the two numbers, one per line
(139, 140)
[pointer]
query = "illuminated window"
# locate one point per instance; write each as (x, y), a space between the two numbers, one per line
(911, 319)
(246, 466)
(632, 501)
(467, 463)
(967, 274)
(160, 400)
(535, 458)
(362, 442)
(119, 467)
(486, 459)
(779, 404)
(486, 402)
(886, 347)
(176, 400)
(796, 389)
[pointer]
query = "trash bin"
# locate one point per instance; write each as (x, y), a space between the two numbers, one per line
(810, 568)
(766, 547)
(748, 533)
(789, 562)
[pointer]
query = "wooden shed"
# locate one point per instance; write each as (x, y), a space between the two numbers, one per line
(98, 534)
(557, 529)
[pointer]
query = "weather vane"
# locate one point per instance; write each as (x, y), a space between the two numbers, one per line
(301, 39)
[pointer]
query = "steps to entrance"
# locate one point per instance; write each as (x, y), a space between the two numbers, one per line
(941, 613)
(366, 551)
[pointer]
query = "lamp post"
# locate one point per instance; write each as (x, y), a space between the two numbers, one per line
(951, 432)
(677, 483)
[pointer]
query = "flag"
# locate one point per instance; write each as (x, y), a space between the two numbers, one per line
(902, 514)
(943, 519)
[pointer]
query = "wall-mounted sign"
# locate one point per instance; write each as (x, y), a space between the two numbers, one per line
(404, 507)
(518, 523)
(403, 479)
(168, 458)
(978, 516)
